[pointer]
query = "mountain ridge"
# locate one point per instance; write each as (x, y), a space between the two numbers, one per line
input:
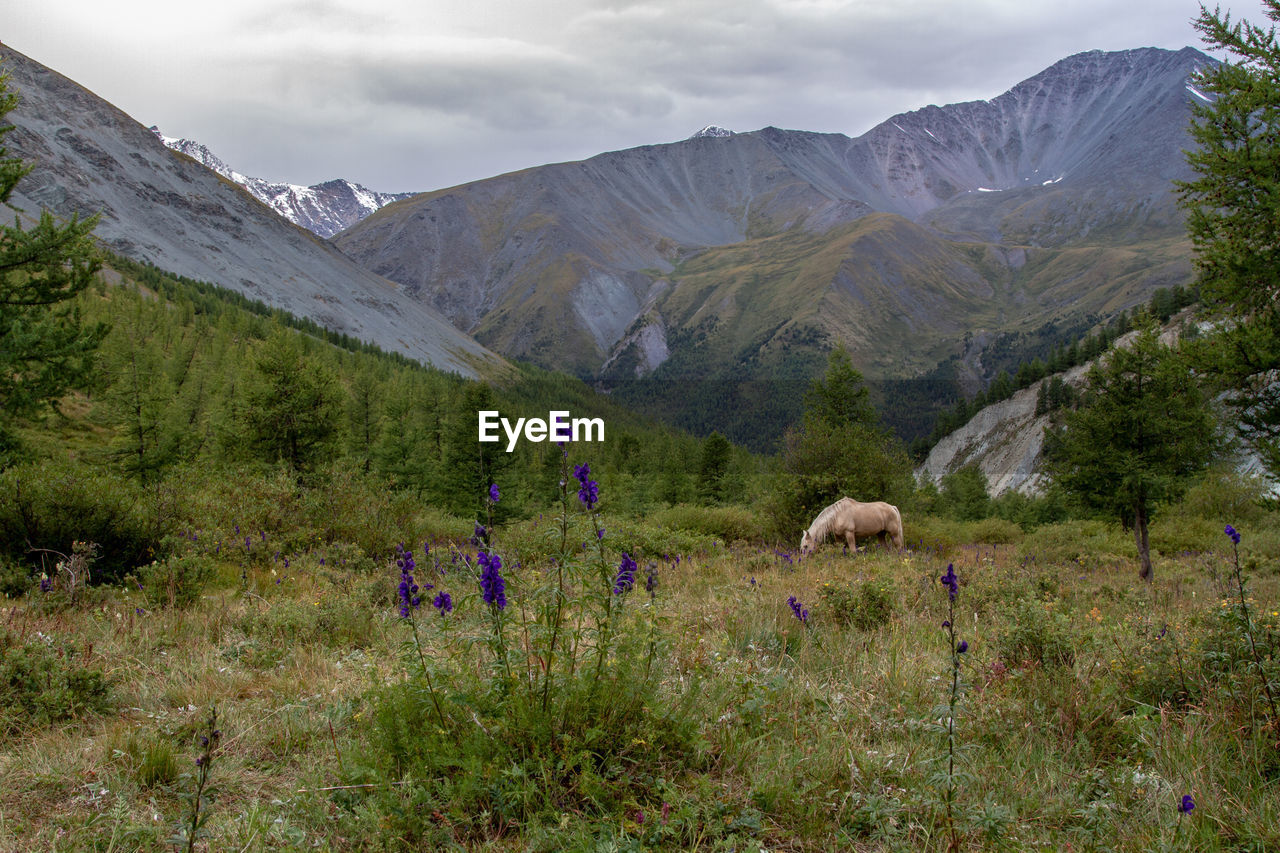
(161, 207)
(567, 264)
(324, 209)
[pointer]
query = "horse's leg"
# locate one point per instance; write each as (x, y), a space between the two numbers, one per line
(852, 541)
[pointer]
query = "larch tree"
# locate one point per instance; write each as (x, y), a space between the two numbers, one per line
(45, 348)
(1142, 429)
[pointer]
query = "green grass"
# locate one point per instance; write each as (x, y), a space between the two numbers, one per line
(1091, 704)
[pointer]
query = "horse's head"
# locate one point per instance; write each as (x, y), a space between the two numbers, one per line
(806, 543)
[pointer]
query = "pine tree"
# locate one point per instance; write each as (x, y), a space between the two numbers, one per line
(1142, 430)
(292, 404)
(716, 454)
(840, 396)
(138, 395)
(1232, 209)
(45, 349)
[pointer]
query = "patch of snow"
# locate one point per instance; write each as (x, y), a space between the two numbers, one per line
(987, 190)
(1201, 95)
(928, 131)
(899, 127)
(712, 131)
(1054, 181)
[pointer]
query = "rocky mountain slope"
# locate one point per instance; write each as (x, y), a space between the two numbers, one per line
(1004, 440)
(164, 208)
(751, 253)
(323, 209)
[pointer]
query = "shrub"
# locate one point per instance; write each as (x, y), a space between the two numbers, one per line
(1181, 533)
(15, 578)
(328, 620)
(929, 532)
(51, 506)
(728, 523)
(42, 683)
(1084, 542)
(349, 507)
(866, 606)
(994, 531)
(176, 581)
(1032, 635)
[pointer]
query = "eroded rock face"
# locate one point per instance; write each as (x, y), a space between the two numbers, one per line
(160, 207)
(1004, 440)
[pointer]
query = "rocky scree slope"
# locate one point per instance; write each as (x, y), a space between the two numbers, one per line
(164, 208)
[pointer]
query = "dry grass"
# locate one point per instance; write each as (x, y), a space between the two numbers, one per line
(816, 736)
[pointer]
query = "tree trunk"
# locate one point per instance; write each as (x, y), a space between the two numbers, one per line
(1140, 538)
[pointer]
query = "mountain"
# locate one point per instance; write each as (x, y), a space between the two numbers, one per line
(164, 208)
(749, 255)
(323, 209)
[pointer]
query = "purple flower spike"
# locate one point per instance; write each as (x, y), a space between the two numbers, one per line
(408, 590)
(1188, 803)
(951, 582)
(626, 577)
(588, 489)
(491, 582)
(443, 603)
(800, 611)
(494, 493)
(962, 646)
(1231, 532)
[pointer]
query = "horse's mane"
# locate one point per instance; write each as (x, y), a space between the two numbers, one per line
(821, 526)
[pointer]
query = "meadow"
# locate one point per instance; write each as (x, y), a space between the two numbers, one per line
(289, 677)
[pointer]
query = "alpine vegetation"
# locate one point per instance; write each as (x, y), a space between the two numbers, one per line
(540, 683)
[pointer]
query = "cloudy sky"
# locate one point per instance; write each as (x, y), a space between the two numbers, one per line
(423, 94)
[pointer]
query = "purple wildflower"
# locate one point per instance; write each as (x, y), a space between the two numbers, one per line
(494, 494)
(480, 536)
(626, 577)
(409, 598)
(491, 582)
(588, 489)
(45, 583)
(962, 646)
(599, 532)
(1187, 803)
(651, 580)
(1231, 532)
(443, 603)
(801, 612)
(951, 582)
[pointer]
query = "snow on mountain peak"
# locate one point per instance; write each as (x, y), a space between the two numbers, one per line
(711, 131)
(323, 209)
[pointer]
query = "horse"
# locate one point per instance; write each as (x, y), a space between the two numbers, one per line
(851, 519)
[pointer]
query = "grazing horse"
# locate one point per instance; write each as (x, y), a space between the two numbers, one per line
(851, 519)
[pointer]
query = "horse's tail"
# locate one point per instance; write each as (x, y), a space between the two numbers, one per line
(896, 532)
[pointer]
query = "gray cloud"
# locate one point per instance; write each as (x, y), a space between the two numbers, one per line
(418, 95)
